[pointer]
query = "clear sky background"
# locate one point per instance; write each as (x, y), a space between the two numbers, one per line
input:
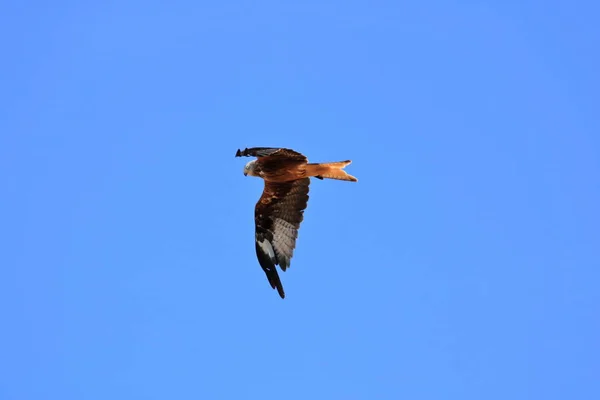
(464, 264)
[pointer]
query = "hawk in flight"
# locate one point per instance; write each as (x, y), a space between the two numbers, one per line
(280, 209)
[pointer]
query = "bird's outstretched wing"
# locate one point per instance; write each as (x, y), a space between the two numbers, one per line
(277, 217)
(271, 152)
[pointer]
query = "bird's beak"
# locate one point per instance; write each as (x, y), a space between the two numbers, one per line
(245, 174)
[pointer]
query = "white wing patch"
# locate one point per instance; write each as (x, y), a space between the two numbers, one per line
(266, 247)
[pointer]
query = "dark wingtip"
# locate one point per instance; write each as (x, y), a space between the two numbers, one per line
(238, 153)
(276, 283)
(270, 270)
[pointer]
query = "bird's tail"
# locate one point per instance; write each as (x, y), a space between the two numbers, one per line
(332, 170)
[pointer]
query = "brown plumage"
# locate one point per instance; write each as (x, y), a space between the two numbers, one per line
(280, 209)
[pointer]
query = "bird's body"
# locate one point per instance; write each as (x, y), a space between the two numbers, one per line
(280, 209)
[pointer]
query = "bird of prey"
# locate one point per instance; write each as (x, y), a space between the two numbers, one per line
(280, 209)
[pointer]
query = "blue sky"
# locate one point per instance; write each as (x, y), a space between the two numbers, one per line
(464, 264)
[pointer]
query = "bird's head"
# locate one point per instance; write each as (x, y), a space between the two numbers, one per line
(249, 169)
